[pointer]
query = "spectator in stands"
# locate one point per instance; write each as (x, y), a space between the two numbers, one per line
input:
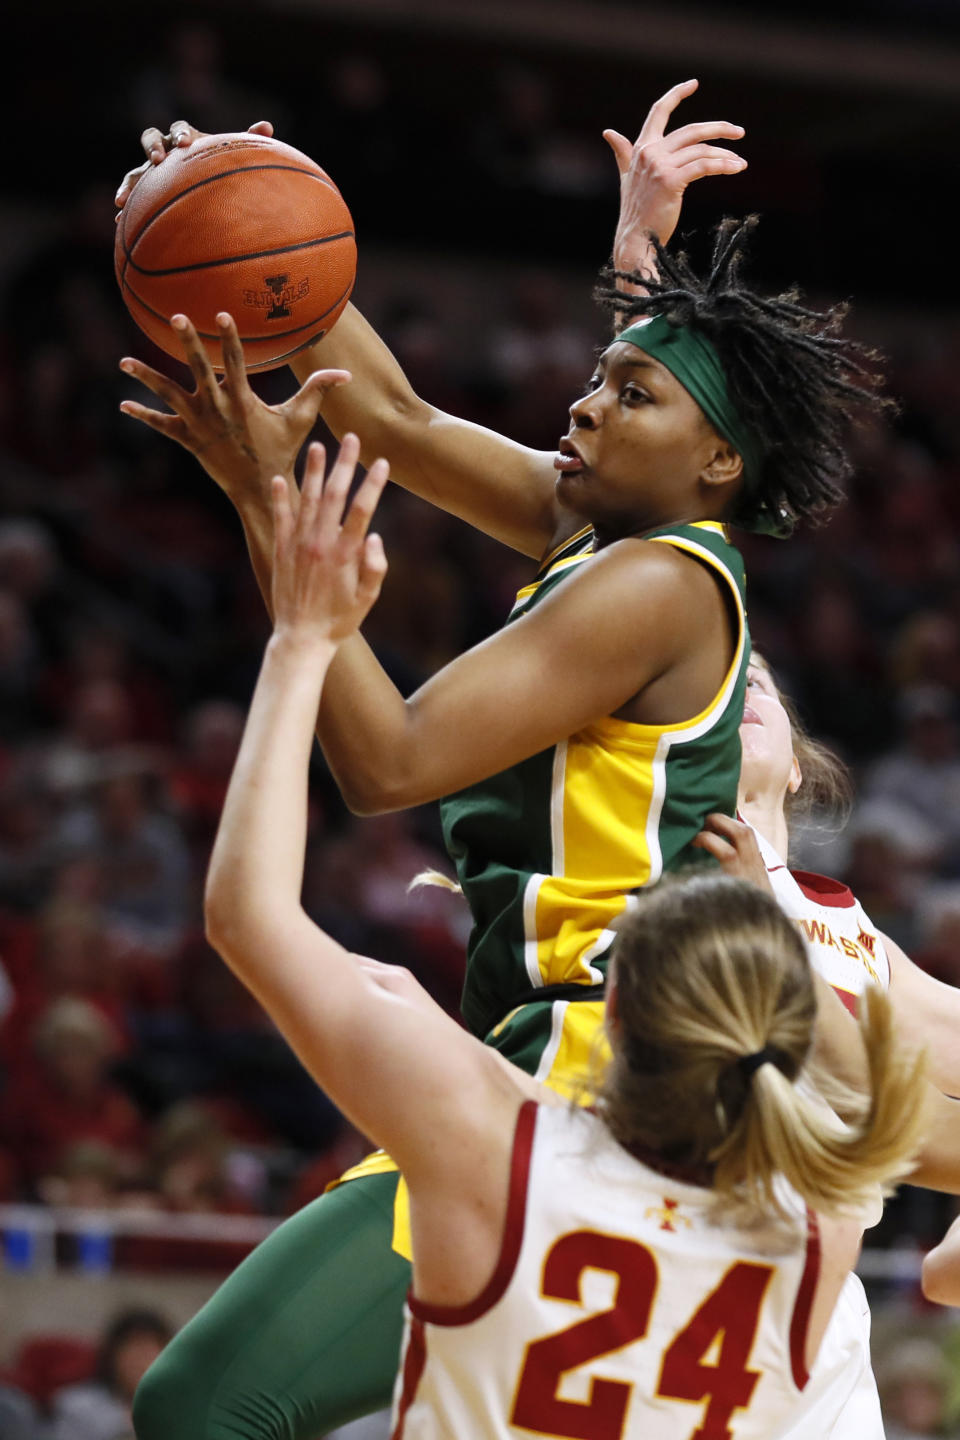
(922, 776)
(141, 851)
(28, 560)
(86, 1176)
(67, 954)
(100, 1409)
(18, 667)
(913, 1378)
(71, 1097)
(199, 780)
(189, 1154)
(99, 719)
(926, 651)
(26, 830)
(100, 652)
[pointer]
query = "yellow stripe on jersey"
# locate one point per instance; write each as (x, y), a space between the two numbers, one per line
(699, 722)
(580, 534)
(526, 591)
(609, 783)
(573, 1065)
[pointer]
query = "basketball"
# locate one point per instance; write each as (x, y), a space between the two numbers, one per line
(241, 223)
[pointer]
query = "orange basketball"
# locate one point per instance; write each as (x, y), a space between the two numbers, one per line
(240, 223)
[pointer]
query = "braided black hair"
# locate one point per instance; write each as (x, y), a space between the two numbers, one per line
(792, 378)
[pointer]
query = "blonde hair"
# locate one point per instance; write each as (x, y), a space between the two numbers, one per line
(434, 877)
(711, 974)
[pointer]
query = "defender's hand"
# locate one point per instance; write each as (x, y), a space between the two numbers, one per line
(158, 147)
(240, 441)
(735, 845)
(327, 571)
(656, 169)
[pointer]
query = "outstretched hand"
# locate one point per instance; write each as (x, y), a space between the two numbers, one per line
(656, 169)
(239, 440)
(327, 571)
(735, 845)
(158, 147)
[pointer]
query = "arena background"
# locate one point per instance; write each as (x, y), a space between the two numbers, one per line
(139, 1082)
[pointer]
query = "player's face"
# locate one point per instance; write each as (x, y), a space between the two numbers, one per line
(769, 765)
(637, 449)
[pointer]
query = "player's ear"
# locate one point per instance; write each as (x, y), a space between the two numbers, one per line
(796, 777)
(724, 465)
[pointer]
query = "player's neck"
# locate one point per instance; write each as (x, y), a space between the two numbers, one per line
(765, 813)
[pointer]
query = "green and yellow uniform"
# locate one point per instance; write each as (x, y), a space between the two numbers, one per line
(549, 851)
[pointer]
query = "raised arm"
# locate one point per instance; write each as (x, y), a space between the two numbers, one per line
(496, 485)
(655, 170)
(500, 487)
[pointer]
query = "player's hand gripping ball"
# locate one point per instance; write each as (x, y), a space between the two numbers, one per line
(241, 223)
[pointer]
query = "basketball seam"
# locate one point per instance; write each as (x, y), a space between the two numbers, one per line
(123, 246)
(221, 175)
(238, 259)
(249, 339)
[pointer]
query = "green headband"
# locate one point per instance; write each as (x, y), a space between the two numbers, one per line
(693, 359)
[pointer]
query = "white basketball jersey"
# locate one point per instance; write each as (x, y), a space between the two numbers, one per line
(618, 1309)
(842, 941)
(845, 947)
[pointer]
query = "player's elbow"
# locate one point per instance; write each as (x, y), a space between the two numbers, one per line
(940, 1279)
(224, 907)
(376, 796)
(390, 778)
(216, 925)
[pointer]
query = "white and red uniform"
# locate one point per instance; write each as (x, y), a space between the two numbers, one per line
(618, 1310)
(846, 948)
(843, 943)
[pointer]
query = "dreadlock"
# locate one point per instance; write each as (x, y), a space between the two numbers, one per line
(792, 378)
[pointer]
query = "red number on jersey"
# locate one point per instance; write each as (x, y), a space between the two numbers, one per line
(537, 1406)
(729, 1316)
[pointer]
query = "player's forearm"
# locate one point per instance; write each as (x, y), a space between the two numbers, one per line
(256, 516)
(256, 869)
(502, 488)
(379, 400)
(364, 729)
(634, 253)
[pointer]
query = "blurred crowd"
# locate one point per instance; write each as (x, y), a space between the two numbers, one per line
(64, 1389)
(135, 1069)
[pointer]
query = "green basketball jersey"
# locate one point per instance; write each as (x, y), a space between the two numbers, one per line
(550, 851)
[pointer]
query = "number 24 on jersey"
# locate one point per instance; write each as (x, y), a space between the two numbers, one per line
(727, 1318)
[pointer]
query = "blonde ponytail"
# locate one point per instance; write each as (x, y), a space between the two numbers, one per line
(713, 1026)
(787, 1129)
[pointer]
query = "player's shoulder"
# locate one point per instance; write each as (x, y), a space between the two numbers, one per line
(636, 562)
(643, 575)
